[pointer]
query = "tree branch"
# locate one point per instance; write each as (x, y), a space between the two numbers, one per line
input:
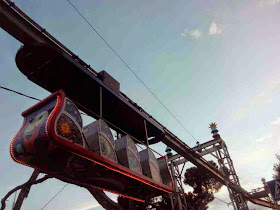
(103, 199)
(99, 195)
(26, 184)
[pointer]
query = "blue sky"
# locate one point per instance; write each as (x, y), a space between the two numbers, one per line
(206, 61)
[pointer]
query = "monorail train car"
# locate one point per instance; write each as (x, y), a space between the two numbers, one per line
(53, 140)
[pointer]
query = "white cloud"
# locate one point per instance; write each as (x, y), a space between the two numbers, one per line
(195, 34)
(260, 100)
(222, 200)
(265, 137)
(264, 3)
(215, 29)
(88, 205)
(276, 121)
(257, 156)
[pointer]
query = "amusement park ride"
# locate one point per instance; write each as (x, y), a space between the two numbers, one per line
(53, 139)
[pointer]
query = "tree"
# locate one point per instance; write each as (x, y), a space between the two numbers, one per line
(276, 168)
(25, 188)
(99, 195)
(204, 186)
(104, 200)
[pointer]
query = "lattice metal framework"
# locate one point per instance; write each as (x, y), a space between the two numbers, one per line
(218, 149)
(178, 198)
(226, 164)
(263, 192)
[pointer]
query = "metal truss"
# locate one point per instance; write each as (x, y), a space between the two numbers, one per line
(218, 149)
(178, 197)
(263, 192)
(230, 176)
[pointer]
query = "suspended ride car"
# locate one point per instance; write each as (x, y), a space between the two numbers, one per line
(53, 140)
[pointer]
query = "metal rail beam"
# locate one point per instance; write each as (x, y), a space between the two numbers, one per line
(185, 151)
(24, 29)
(197, 148)
(204, 152)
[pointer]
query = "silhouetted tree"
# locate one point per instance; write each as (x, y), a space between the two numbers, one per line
(99, 195)
(204, 186)
(276, 168)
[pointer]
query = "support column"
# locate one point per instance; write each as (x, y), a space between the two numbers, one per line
(230, 176)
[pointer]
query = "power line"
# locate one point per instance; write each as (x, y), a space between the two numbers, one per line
(223, 201)
(114, 51)
(246, 182)
(54, 196)
(19, 93)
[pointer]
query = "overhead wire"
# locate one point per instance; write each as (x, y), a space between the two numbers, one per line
(246, 182)
(27, 96)
(133, 72)
(223, 201)
(54, 196)
(19, 93)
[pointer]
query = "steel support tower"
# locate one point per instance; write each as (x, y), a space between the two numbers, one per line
(218, 149)
(226, 165)
(177, 197)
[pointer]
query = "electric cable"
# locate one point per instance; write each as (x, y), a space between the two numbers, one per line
(223, 201)
(54, 196)
(19, 93)
(245, 182)
(114, 51)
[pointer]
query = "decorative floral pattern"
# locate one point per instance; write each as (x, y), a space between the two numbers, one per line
(66, 128)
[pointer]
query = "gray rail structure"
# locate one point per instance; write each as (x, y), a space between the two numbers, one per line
(217, 148)
(28, 32)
